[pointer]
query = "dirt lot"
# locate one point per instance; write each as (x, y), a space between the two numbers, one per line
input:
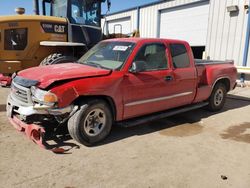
(195, 149)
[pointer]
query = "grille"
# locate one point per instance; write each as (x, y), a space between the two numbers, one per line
(21, 93)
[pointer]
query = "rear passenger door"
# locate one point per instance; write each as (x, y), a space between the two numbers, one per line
(184, 72)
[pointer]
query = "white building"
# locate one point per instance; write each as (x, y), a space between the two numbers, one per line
(218, 27)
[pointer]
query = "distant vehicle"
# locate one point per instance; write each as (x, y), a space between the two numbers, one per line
(65, 31)
(119, 81)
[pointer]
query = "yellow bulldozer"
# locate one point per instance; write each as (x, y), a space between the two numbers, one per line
(64, 31)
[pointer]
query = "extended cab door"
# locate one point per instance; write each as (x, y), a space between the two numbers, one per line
(161, 86)
(184, 72)
(149, 91)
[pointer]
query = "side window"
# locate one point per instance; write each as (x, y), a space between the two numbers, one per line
(154, 55)
(179, 56)
(59, 8)
(47, 9)
(15, 39)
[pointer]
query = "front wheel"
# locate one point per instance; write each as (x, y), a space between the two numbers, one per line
(217, 98)
(92, 123)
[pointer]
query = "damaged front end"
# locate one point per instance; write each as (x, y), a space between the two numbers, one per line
(34, 111)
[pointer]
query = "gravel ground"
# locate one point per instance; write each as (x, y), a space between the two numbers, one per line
(194, 149)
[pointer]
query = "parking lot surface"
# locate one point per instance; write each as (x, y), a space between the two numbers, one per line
(194, 149)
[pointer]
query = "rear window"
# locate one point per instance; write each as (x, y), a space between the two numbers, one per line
(15, 39)
(179, 56)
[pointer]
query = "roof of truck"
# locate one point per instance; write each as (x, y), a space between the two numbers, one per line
(136, 40)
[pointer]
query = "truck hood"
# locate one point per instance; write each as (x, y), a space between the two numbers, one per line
(46, 75)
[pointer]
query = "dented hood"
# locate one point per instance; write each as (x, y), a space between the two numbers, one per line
(46, 75)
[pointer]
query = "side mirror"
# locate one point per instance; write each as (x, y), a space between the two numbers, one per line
(138, 66)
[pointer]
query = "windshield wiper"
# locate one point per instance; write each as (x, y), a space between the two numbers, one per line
(95, 65)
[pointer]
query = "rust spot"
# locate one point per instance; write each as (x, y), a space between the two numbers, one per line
(240, 133)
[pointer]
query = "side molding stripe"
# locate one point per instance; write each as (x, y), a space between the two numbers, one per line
(158, 99)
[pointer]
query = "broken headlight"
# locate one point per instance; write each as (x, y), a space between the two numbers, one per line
(43, 97)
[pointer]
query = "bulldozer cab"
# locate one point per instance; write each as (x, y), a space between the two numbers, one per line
(84, 18)
(82, 12)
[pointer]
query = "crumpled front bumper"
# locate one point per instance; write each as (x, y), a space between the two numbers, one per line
(32, 131)
(36, 133)
(5, 80)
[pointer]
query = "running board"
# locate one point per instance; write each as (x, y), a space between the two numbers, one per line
(160, 115)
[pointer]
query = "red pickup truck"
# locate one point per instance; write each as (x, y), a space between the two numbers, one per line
(119, 81)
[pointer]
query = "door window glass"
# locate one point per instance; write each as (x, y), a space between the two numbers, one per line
(154, 56)
(179, 56)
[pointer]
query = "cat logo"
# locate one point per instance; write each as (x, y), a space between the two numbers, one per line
(59, 29)
(54, 28)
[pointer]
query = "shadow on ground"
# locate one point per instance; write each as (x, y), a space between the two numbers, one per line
(182, 125)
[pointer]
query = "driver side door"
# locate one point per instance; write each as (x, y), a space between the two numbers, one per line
(148, 91)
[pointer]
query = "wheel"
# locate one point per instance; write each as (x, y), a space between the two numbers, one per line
(92, 123)
(218, 97)
(57, 58)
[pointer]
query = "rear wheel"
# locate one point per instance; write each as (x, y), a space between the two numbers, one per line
(92, 123)
(217, 98)
(57, 58)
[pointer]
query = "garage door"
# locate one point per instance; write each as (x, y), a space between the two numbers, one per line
(188, 23)
(120, 26)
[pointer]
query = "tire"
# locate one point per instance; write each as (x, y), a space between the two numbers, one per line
(57, 58)
(218, 97)
(92, 123)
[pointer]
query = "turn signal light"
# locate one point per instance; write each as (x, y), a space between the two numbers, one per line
(50, 98)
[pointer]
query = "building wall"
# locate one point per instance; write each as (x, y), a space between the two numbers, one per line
(189, 22)
(132, 14)
(149, 16)
(225, 37)
(227, 32)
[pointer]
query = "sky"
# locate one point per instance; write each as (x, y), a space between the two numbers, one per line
(8, 6)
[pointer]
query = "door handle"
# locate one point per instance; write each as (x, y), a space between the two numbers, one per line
(169, 78)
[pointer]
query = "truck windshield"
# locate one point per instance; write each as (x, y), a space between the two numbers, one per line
(108, 55)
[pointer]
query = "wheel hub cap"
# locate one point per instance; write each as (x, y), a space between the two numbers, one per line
(219, 95)
(94, 122)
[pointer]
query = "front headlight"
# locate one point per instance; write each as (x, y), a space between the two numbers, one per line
(43, 97)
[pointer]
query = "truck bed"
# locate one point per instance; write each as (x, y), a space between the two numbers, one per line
(204, 69)
(211, 62)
